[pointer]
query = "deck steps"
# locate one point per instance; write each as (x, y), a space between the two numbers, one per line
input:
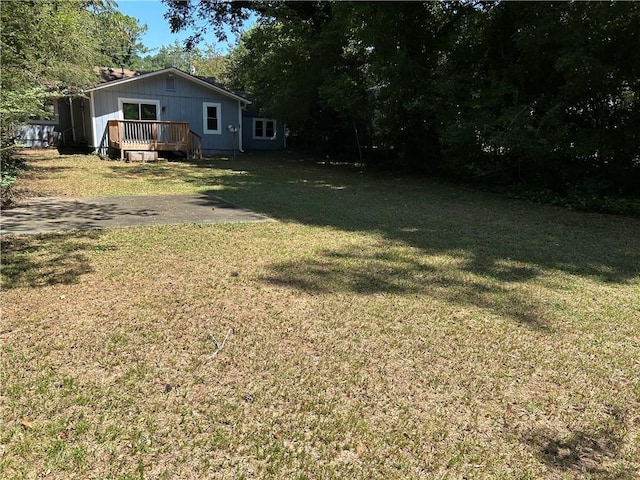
(141, 156)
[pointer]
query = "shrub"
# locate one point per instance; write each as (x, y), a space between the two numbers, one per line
(10, 167)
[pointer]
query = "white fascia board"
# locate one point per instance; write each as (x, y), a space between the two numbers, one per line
(92, 112)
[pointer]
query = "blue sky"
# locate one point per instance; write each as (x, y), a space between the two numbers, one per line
(151, 13)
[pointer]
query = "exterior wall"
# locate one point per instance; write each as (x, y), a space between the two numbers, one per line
(49, 133)
(251, 143)
(81, 122)
(184, 104)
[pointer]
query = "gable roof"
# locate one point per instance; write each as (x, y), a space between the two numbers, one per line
(110, 78)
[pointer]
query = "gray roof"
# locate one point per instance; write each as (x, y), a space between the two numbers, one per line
(110, 77)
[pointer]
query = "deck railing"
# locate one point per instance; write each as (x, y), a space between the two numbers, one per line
(195, 144)
(154, 135)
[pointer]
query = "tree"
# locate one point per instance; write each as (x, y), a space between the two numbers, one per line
(49, 48)
(206, 61)
(547, 95)
(286, 78)
(120, 36)
(542, 94)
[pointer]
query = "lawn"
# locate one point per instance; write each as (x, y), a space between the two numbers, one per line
(384, 328)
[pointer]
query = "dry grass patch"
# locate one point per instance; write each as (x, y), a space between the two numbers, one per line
(377, 332)
(88, 175)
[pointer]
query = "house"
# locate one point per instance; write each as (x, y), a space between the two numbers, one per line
(163, 110)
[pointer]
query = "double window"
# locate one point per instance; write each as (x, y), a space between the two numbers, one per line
(211, 117)
(264, 128)
(133, 109)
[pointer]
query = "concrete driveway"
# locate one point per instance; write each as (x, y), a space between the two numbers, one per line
(51, 214)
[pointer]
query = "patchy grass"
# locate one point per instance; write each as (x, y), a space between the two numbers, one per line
(87, 175)
(385, 328)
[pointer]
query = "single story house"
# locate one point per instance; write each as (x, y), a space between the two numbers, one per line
(163, 110)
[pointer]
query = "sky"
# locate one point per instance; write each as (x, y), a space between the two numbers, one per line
(151, 13)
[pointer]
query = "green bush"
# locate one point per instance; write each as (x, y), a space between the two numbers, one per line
(10, 167)
(579, 199)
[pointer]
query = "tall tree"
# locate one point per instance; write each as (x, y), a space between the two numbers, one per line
(297, 53)
(544, 93)
(548, 95)
(50, 47)
(120, 35)
(204, 61)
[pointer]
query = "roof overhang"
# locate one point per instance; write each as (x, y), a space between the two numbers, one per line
(176, 72)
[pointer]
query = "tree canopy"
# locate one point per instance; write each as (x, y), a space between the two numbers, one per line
(539, 93)
(198, 60)
(50, 47)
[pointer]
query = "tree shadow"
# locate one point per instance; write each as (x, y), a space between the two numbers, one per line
(497, 242)
(373, 270)
(46, 214)
(48, 259)
(510, 240)
(200, 174)
(582, 452)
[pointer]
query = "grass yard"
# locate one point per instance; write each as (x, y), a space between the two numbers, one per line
(385, 328)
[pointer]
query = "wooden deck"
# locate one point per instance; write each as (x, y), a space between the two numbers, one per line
(151, 135)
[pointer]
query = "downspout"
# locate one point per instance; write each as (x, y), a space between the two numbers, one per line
(240, 126)
(73, 123)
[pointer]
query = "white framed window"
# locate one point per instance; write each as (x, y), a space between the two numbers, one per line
(211, 118)
(51, 117)
(264, 128)
(139, 109)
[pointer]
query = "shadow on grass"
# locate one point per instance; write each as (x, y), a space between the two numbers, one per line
(45, 214)
(198, 173)
(508, 240)
(583, 452)
(495, 243)
(388, 270)
(436, 218)
(48, 259)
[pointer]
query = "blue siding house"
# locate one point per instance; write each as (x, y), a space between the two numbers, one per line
(164, 110)
(170, 95)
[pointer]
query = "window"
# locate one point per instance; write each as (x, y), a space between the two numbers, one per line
(51, 114)
(133, 109)
(211, 117)
(264, 128)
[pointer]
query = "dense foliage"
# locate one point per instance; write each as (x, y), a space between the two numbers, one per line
(204, 61)
(49, 48)
(544, 94)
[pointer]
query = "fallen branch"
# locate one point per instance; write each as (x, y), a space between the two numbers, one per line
(220, 346)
